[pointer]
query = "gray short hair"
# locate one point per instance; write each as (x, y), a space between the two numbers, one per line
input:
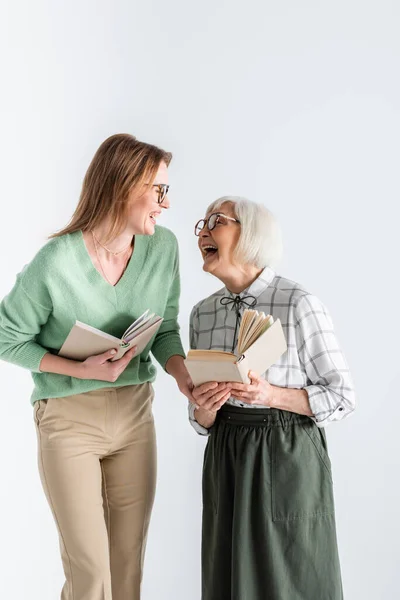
(260, 241)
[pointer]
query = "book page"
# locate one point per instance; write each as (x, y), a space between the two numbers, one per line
(252, 326)
(257, 321)
(259, 328)
(140, 321)
(132, 334)
(211, 355)
(249, 316)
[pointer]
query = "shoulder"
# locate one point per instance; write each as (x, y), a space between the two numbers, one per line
(48, 259)
(296, 297)
(208, 305)
(293, 293)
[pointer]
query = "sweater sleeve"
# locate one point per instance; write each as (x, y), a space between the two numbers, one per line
(22, 314)
(167, 342)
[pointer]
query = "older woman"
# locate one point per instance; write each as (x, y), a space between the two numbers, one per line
(97, 453)
(268, 509)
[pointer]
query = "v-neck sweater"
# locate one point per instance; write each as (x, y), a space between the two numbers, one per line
(61, 285)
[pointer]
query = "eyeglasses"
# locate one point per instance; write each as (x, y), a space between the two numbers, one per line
(162, 191)
(212, 221)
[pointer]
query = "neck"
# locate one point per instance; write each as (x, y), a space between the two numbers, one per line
(116, 243)
(241, 278)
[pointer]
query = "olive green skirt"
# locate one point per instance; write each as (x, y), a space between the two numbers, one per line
(268, 512)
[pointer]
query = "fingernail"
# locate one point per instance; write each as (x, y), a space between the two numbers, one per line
(113, 352)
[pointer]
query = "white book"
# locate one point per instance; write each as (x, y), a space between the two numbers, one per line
(84, 341)
(261, 343)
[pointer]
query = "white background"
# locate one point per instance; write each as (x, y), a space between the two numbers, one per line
(295, 104)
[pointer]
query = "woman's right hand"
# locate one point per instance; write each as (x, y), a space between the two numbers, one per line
(212, 395)
(100, 367)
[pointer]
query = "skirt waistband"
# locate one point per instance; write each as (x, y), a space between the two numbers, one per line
(265, 417)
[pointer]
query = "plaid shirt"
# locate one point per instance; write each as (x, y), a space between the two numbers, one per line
(313, 361)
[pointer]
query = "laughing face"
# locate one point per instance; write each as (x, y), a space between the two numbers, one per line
(217, 246)
(145, 209)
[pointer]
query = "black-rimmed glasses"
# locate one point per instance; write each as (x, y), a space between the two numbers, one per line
(212, 221)
(162, 191)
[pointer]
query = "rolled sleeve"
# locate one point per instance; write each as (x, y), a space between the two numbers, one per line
(195, 424)
(330, 388)
(194, 329)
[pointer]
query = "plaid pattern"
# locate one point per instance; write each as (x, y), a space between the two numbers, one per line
(313, 361)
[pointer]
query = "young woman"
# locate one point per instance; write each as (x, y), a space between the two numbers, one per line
(268, 510)
(97, 449)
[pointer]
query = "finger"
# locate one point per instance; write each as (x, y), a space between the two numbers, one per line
(254, 376)
(222, 388)
(129, 355)
(123, 362)
(105, 356)
(221, 402)
(243, 388)
(215, 399)
(206, 387)
(205, 396)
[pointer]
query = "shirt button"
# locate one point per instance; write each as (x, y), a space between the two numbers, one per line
(341, 408)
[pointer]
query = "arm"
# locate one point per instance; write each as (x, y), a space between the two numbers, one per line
(167, 342)
(290, 399)
(330, 390)
(22, 315)
(167, 346)
(209, 397)
(329, 396)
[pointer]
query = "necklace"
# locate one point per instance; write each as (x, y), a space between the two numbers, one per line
(101, 266)
(107, 249)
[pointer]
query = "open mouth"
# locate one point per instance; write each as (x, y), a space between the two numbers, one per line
(209, 250)
(153, 217)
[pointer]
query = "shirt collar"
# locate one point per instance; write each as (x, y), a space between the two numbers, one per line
(257, 287)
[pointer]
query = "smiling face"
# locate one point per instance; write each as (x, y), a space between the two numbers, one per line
(145, 209)
(217, 246)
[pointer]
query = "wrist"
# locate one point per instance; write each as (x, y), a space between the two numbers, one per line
(176, 367)
(205, 418)
(272, 397)
(78, 370)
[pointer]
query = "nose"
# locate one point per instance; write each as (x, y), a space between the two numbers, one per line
(165, 203)
(205, 231)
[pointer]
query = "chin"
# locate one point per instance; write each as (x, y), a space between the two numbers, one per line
(149, 229)
(210, 268)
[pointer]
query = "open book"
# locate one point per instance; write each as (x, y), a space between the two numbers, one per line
(261, 343)
(84, 341)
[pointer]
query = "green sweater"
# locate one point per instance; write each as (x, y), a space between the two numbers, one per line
(61, 285)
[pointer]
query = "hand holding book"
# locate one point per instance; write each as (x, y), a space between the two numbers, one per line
(102, 367)
(84, 341)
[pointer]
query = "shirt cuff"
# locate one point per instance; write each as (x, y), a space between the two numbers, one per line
(195, 424)
(323, 417)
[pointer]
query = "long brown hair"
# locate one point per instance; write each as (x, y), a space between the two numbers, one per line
(121, 164)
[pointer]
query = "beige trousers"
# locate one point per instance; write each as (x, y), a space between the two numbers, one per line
(97, 462)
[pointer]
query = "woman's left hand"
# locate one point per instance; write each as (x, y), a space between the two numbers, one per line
(258, 391)
(176, 367)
